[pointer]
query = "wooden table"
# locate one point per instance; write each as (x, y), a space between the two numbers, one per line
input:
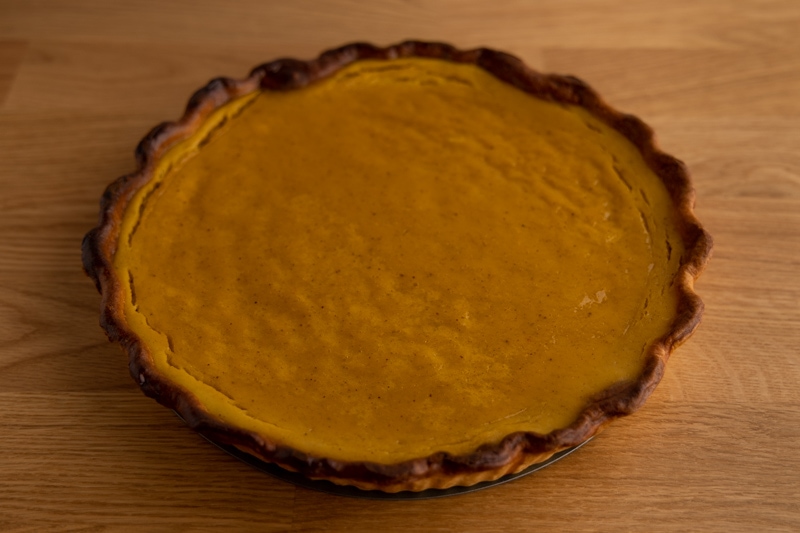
(717, 447)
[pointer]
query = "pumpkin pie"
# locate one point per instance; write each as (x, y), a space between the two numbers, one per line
(399, 268)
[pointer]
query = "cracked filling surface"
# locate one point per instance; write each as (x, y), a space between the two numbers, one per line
(404, 258)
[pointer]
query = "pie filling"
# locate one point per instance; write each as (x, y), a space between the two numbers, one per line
(404, 258)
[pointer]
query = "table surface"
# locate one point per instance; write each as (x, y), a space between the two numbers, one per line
(716, 448)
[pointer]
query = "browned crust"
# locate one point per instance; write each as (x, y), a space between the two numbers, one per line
(439, 470)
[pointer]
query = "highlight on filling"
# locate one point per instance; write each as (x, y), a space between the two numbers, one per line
(407, 257)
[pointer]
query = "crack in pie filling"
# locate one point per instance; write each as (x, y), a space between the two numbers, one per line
(399, 268)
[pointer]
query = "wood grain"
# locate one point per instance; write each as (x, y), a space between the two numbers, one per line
(715, 448)
(11, 55)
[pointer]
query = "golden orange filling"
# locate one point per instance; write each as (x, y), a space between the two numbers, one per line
(405, 258)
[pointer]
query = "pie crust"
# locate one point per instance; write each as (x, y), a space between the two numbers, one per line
(439, 469)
